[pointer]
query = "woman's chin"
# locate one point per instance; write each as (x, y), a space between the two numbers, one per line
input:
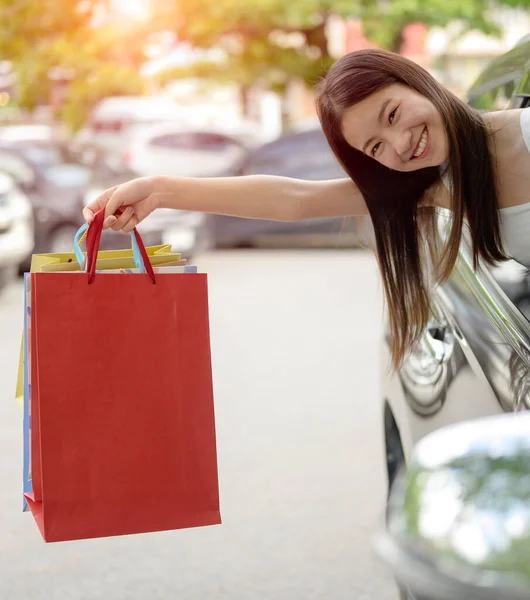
(416, 166)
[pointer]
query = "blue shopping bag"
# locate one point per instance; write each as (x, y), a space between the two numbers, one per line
(27, 486)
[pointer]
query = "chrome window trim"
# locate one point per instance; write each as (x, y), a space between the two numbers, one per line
(507, 319)
(493, 84)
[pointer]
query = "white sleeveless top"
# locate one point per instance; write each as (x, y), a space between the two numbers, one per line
(515, 220)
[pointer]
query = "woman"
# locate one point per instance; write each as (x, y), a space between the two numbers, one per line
(408, 146)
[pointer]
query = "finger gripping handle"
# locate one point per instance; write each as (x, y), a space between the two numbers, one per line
(93, 239)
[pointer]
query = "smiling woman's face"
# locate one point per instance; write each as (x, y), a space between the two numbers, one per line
(398, 127)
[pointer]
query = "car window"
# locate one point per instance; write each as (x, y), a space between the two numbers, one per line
(111, 126)
(303, 156)
(495, 98)
(502, 71)
(195, 140)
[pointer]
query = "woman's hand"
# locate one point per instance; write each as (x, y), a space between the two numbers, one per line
(126, 205)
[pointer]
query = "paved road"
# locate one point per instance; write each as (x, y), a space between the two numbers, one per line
(295, 350)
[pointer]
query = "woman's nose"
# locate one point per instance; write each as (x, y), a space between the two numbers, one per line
(402, 142)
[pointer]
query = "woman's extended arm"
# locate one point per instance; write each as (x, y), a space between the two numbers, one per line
(252, 196)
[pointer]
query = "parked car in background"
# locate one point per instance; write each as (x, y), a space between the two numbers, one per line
(113, 119)
(56, 197)
(58, 188)
(12, 133)
(16, 228)
(473, 359)
(59, 182)
(177, 150)
(303, 154)
(184, 231)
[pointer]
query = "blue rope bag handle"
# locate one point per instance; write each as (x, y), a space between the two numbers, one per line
(80, 255)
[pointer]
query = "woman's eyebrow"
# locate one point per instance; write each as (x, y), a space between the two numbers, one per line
(380, 120)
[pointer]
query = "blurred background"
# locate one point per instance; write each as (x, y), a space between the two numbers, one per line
(96, 92)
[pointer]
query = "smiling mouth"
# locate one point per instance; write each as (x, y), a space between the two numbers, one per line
(423, 145)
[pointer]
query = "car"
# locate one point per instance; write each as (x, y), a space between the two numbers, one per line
(16, 228)
(303, 154)
(60, 181)
(473, 359)
(458, 525)
(183, 230)
(21, 132)
(58, 188)
(187, 150)
(113, 119)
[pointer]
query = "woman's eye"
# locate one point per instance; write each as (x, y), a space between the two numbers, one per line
(392, 115)
(375, 148)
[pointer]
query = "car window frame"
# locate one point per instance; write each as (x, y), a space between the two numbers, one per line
(512, 325)
(516, 61)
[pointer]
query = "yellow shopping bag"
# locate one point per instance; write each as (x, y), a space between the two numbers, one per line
(107, 259)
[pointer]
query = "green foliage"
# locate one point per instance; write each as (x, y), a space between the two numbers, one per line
(48, 38)
(258, 34)
(384, 23)
(267, 42)
(105, 80)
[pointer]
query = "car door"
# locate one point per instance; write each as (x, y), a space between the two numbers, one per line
(473, 359)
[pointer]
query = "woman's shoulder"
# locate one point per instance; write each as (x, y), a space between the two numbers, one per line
(498, 119)
(510, 130)
(510, 134)
(502, 124)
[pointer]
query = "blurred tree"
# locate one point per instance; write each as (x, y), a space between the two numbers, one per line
(272, 41)
(58, 49)
(58, 52)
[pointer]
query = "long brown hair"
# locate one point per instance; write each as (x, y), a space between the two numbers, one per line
(405, 231)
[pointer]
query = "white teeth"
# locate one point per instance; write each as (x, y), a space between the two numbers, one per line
(422, 144)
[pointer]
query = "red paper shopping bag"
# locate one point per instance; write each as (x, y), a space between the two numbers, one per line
(123, 431)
